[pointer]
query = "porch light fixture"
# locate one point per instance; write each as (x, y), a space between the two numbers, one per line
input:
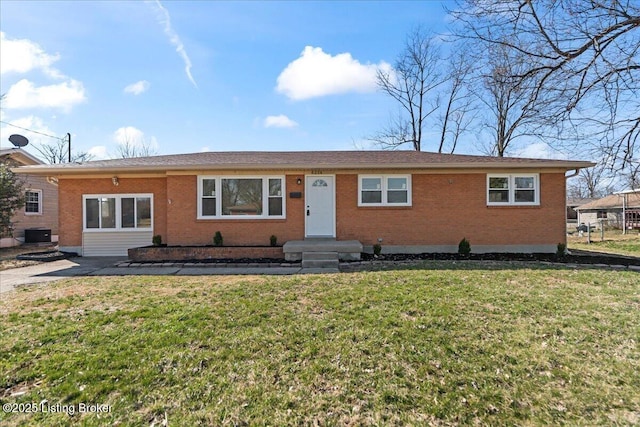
(299, 181)
(115, 181)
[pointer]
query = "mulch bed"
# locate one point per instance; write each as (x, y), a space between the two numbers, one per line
(576, 257)
(44, 256)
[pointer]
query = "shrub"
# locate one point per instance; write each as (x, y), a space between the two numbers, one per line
(561, 251)
(273, 240)
(377, 248)
(156, 240)
(217, 239)
(464, 247)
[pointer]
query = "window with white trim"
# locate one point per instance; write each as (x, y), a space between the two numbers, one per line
(513, 189)
(384, 190)
(122, 212)
(241, 197)
(33, 202)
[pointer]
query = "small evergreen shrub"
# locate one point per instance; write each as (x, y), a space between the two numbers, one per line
(273, 240)
(561, 251)
(377, 249)
(217, 239)
(156, 240)
(464, 247)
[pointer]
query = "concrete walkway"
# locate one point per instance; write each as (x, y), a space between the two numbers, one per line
(56, 270)
(119, 266)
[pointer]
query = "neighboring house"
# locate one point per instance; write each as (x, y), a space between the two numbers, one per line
(572, 213)
(409, 201)
(41, 193)
(608, 211)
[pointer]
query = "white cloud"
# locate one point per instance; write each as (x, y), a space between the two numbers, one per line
(280, 121)
(98, 152)
(174, 39)
(540, 150)
(128, 134)
(134, 139)
(316, 73)
(138, 87)
(25, 94)
(23, 55)
(20, 125)
(205, 149)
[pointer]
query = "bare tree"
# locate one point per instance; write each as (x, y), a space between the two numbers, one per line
(592, 183)
(510, 114)
(415, 76)
(583, 55)
(457, 115)
(631, 175)
(132, 146)
(58, 152)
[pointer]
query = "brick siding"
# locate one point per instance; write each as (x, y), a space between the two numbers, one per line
(445, 208)
(201, 253)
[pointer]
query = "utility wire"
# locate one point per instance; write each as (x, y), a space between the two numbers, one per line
(34, 131)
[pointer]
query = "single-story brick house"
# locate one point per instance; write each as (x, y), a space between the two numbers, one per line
(41, 199)
(409, 201)
(610, 210)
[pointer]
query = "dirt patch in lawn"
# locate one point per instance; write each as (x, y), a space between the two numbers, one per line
(8, 255)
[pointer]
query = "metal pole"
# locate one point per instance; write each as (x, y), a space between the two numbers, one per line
(624, 214)
(588, 232)
(69, 137)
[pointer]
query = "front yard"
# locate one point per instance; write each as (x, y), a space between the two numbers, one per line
(445, 344)
(613, 242)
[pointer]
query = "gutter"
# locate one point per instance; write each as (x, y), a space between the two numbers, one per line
(81, 169)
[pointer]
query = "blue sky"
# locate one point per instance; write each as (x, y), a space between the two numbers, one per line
(190, 76)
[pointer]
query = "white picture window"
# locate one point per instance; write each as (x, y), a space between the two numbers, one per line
(127, 212)
(240, 197)
(511, 189)
(33, 202)
(384, 190)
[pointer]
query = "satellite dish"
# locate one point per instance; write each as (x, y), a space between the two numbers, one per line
(18, 140)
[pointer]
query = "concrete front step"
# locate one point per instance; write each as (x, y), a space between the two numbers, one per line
(320, 263)
(320, 255)
(346, 249)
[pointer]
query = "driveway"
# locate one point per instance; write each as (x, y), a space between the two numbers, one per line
(56, 270)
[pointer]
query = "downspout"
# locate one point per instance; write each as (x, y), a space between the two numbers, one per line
(576, 172)
(566, 207)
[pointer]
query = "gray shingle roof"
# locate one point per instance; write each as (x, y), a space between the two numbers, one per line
(304, 160)
(613, 201)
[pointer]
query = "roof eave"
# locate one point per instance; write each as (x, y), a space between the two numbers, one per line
(79, 169)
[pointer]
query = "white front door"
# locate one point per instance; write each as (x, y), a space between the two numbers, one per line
(320, 206)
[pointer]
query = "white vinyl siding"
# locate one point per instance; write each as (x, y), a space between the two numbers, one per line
(513, 189)
(114, 243)
(384, 190)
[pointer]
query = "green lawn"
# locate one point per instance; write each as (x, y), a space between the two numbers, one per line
(449, 344)
(613, 242)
